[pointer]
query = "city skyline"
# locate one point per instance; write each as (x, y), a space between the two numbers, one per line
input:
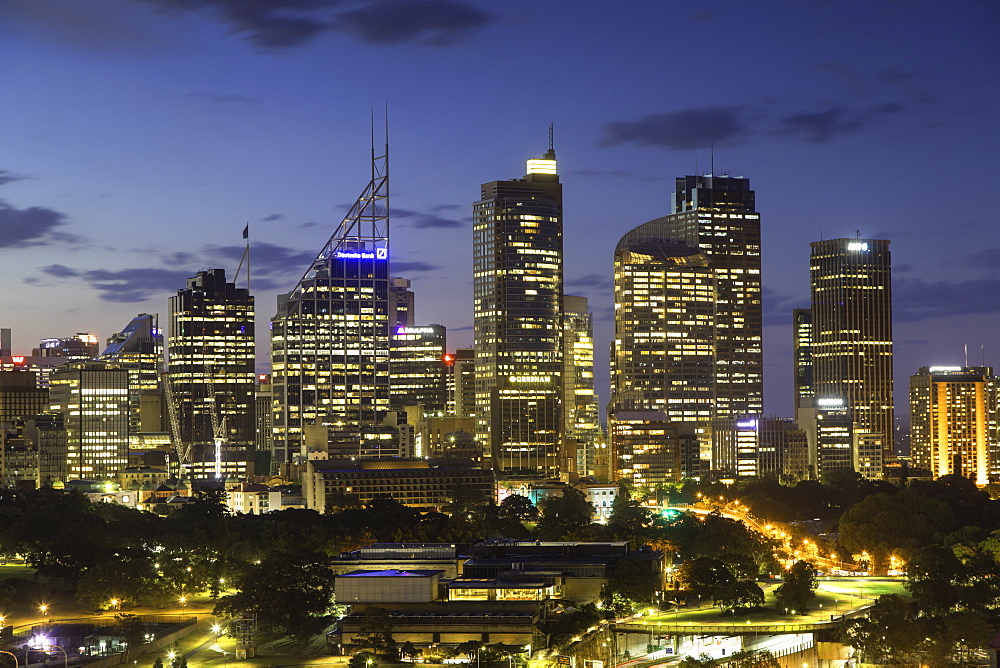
(164, 148)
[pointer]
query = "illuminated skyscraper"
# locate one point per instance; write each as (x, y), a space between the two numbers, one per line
(77, 348)
(953, 421)
(581, 414)
(92, 398)
(663, 353)
(802, 353)
(330, 335)
(716, 217)
(210, 352)
(139, 350)
(417, 360)
(518, 277)
(852, 331)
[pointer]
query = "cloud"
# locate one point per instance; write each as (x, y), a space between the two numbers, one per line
(915, 299)
(223, 98)
(275, 25)
(134, 285)
(428, 22)
(600, 281)
(266, 259)
(9, 177)
(445, 207)
(272, 217)
(777, 308)
(615, 173)
(412, 267)
(422, 220)
(848, 76)
(679, 130)
(34, 226)
(987, 258)
(60, 271)
(815, 126)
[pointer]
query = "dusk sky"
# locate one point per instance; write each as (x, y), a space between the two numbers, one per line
(138, 137)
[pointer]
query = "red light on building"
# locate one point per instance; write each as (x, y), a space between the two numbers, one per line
(17, 359)
(448, 358)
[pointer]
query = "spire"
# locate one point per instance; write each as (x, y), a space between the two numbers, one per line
(547, 163)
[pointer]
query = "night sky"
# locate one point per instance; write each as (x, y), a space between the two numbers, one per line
(138, 137)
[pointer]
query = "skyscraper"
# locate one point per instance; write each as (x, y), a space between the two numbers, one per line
(330, 335)
(518, 278)
(581, 415)
(418, 368)
(716, 217)
(852, 331)
(953, 421)
(92, 398)
(139, 350)
(210, 351)
(802, 353)
(77, 348)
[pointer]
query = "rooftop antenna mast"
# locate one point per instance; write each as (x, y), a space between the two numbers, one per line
(712, 154)
(551, 142)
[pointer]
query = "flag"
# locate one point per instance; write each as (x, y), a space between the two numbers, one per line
(246, 231)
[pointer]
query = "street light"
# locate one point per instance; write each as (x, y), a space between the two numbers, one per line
(16, 664)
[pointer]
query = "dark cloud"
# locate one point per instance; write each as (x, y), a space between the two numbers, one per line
(134, 285)
(437, 208)
(987, 258)
(849, 77)
(467, 328)
(34, 226)
(84, 24)
(816, 126)
(9, 177)
(777, 308)
(600, 281)
(223, 98)
(412, 267)
(679, 130)
(424, 220)
(915, 299)
(429, 22)
(60, 271)
(272, 217)
(267, 259)
(274, 25)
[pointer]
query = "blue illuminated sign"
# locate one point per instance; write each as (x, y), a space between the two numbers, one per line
(379, 254)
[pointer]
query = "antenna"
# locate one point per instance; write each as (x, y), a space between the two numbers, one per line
(712, 151)
(551, 142)
(857, 234)
(966, 346)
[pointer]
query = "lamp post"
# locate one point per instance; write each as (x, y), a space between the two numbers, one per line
(16, 664)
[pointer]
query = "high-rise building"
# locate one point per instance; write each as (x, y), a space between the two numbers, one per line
(5, 342)
(20, 395)
(518, 279)
(139, 350)
(830, 434)
(416, 356)
(330, 335)
(92, 398)
(402, 309)
(953, 421)
(581, 414)
(802, 353)
(716, 218)
(663, 353)
(852, 331)
(210, 350)
(77, 348)
(462, 383)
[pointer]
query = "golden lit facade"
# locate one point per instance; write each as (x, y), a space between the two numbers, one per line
(953, 421)
(852, 331)
(802, 353)
(210, 351)
(663, 353)
(138, 349)
(330, 335)
(417, 361)
(581, 414)
(517, 284)
(647, 448)
(92, 399)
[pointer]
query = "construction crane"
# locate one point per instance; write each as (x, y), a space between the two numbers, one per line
(219, 438)
(183, 451)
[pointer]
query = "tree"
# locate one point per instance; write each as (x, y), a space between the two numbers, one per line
(704, 576)
(518, 508)
(408, 651)
(636, 579)
(362, 660)
(376, 632)
(628, 518)
(752, 659)
(288, 592)
(798, 588)
(563, 516)
(740, 594)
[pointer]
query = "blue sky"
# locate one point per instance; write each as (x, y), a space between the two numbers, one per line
(139, 136)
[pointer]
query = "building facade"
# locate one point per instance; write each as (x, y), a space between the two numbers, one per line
(517, 284)
(802, 354)
(417, 361)
(580, 410)
(139, 350)
(953, 421)
(852, 330)
(210, 351)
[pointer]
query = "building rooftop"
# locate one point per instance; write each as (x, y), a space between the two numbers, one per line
(391, 573)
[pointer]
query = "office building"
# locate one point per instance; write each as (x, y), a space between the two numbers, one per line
(802, 353)
(92, 399)
(210, 350)
(647, 448)
(417, 361)
(139, 350)
(953, 421)
(402, 309)
(34, 451)
(330, 335)
(703, 264)
(830, 433)
(5, 342)
(20, 395)
(42, 367)
(852, 331)
(517, 284)
(581, 414)
(77, 348)
(462, 383)
(663, 353)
